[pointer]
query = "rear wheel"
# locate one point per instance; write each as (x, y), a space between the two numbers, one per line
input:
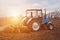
(35, 26)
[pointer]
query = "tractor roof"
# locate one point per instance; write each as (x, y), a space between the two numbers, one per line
(34, 10)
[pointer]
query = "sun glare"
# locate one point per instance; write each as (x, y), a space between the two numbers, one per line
(15, 15)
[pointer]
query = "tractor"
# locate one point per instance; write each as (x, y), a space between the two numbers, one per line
(33, 20)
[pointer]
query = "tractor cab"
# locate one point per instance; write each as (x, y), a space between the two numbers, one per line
(33, 13)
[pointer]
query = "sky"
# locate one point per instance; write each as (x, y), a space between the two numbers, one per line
(11, 7)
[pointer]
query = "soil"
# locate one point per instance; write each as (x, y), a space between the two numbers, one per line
(39, 35)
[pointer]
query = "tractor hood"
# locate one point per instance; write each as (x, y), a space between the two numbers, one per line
(27, 20)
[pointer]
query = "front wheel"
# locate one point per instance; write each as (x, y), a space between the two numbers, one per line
(51, 26)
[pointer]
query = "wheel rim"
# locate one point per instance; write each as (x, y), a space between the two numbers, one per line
(35, 26)
(51, 27)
